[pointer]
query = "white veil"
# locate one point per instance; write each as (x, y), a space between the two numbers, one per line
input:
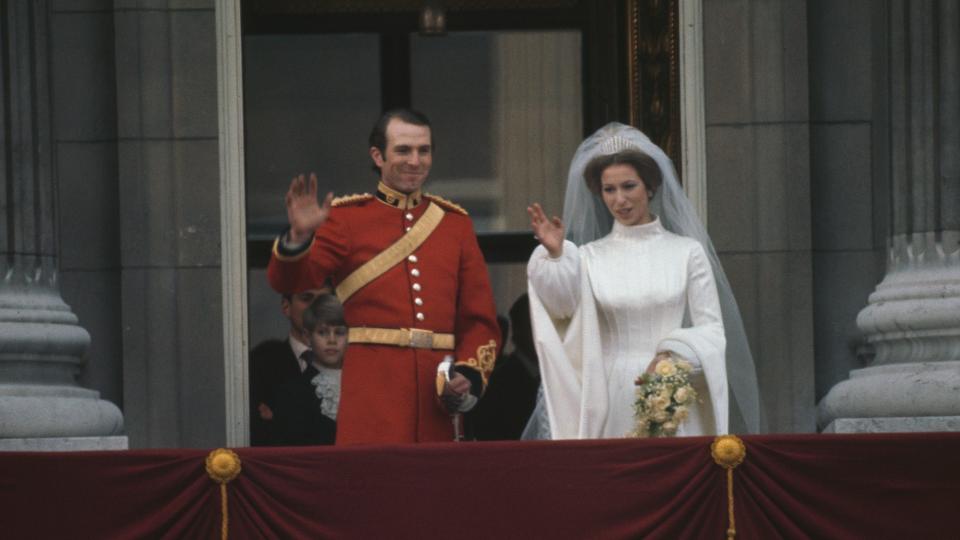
(586, 219)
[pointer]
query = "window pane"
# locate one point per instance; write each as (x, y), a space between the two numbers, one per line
(309, 102)
(506, 109)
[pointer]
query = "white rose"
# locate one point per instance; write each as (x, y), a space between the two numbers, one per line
(661, 403)
(680, 414)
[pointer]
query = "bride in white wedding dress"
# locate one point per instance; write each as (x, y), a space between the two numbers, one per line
(607, 311)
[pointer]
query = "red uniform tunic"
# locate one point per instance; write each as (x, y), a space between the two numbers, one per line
(389, 393)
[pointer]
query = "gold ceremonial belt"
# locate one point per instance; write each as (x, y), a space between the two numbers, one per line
(402, 337)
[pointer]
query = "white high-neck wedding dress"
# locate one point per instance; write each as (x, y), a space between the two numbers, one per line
(602, 312)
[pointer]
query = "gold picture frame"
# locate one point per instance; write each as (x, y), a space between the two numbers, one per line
(653, 71)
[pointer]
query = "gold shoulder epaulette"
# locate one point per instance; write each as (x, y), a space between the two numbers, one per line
(349, 199)
(449, 205)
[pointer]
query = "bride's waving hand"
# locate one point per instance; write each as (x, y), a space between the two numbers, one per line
(548, 231)
(555, 272)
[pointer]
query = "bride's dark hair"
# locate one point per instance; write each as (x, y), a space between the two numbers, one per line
(645, 166)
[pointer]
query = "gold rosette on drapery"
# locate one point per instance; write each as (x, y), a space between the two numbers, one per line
(223, 465)
(729, 451)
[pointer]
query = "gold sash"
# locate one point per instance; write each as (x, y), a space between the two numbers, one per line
(391, 256)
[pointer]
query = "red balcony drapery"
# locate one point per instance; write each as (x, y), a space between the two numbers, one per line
(789, 486)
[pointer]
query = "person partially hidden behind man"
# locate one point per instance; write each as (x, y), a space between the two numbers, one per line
(511, 397)
(306, 404)
(274, 361)
(414, 287)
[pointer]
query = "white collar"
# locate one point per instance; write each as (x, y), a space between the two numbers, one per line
(644, 230)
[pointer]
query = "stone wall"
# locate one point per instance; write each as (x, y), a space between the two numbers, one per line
(85, 146)
(849, 176)
(136, 130)
(758, 189)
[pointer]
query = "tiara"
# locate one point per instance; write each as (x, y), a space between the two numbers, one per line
(616, 144)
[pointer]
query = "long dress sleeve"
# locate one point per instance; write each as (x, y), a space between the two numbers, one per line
(557, 305)
(703, 343)
(556, 281)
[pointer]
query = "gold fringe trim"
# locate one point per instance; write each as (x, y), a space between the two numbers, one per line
(729, 451)
(223, 465)
(349, 199)
(449, 205)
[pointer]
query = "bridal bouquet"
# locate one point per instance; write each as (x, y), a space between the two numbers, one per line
(663, 399)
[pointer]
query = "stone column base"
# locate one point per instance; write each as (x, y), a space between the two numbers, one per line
(52, 411)
(905, 424)
(911, 390)
(64, 444)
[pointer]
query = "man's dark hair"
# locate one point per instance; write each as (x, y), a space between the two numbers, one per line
(327, 286)
(325, 309)
(644, 165)
(378, 135)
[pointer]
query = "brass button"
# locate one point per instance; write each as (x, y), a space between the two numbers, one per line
(418, 301)
(415, 273)
(420, 316)
(412, 258)
(416, 287)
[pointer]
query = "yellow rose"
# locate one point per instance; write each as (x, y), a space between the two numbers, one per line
(665, 368)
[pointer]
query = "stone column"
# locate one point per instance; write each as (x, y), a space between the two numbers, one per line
(41, 344)
(912, 320)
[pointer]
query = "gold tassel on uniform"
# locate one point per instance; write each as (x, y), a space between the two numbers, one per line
(729, 451)
(223, 465)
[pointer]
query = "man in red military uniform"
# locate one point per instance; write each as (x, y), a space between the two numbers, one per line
(414, 285)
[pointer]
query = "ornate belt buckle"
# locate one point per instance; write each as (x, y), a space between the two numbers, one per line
(421, 339)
